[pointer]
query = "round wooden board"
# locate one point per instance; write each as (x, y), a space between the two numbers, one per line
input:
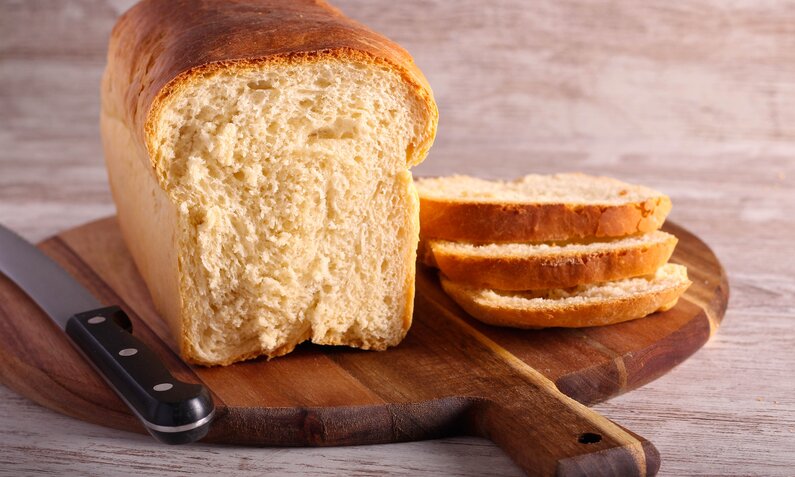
(426, 387)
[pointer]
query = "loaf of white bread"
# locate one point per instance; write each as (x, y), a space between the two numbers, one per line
(566, 250)
(258, 154)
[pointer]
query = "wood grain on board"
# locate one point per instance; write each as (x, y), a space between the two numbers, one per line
(451, 375)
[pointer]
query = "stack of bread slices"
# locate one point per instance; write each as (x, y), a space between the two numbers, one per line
(564, 250)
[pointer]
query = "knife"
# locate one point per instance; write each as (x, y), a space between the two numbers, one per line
(173, 412)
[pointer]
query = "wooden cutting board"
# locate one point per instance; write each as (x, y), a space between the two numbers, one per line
(451, 375)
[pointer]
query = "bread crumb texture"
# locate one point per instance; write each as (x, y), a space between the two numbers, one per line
(297, 213)
(570, 188)
(543, 250)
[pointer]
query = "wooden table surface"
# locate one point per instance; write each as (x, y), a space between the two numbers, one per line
(696, 98)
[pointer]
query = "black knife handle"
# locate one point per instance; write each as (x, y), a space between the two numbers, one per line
(174, 412)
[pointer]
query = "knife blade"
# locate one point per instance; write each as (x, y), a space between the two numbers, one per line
(172, 411)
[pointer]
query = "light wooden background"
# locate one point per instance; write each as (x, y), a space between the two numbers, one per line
(694, 97)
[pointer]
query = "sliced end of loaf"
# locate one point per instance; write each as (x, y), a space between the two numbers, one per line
(297, 214)
(585, 305)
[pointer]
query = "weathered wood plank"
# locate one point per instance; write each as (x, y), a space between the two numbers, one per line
(693, 97)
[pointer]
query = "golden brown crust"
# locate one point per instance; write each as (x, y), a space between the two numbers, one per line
(553, 271)
(158, 45)
(156, 49)
(413, 214)
(589, 313)
(147, 218)
(480, 222)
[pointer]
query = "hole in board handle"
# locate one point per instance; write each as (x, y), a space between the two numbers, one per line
(589, 438)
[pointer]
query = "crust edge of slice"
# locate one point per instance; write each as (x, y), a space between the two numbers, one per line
(595, 312)
(557, 269)
(483, 222)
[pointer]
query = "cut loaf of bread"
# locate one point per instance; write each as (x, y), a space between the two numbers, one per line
(522, 266)
(585, 305)
(537, 208)
(258, 154)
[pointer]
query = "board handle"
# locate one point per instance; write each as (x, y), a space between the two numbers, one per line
(547, 433)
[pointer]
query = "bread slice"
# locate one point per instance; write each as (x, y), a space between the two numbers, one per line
(258, 154)
(585, 305)
(524, 266)
(537, 208)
